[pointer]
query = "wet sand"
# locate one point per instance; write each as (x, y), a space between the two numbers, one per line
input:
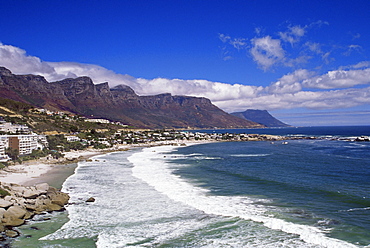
(55, 176)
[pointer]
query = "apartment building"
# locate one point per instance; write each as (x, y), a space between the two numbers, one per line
(25, 144)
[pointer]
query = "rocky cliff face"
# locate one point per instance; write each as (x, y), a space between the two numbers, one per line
(121, 103)
(32, 89)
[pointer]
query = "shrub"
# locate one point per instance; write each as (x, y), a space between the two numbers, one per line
(3, 192)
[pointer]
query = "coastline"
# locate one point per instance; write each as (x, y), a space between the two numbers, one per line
(54, 172)
(40, 230)
(32, 174)
(42, 170)
(39, 171)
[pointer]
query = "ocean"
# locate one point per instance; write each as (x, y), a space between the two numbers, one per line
(300, 193)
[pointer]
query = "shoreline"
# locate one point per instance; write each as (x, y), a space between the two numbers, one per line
(37, 171)
(93, 153)
(55, 172)
(30, 175)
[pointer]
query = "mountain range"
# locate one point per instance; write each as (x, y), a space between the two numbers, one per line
(120, 103)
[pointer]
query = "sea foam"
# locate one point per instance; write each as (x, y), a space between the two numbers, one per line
(152, 168)
(141, 203)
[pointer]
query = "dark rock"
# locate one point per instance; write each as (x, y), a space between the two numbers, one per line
(53, 207)
(91, 199)
(29, 215)
(57, 197)
(15, 212)
(11, 233)
(5, 204)
(13, 222)
(5, 72)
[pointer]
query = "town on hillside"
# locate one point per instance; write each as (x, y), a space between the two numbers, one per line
(45, 133)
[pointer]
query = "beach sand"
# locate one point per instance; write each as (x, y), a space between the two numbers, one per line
(54, 172)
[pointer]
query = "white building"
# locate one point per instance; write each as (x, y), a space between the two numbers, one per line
(25, 144)
(72, 138)
(3, 144)
(98, 120)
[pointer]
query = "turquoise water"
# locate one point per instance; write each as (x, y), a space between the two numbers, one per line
(307, 193)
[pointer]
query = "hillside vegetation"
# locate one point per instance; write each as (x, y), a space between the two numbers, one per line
(42, 123)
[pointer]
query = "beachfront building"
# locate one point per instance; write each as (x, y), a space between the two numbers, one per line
(25, 144)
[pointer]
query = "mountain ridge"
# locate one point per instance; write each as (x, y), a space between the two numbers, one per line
(120, 103)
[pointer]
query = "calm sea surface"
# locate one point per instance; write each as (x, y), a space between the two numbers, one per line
(306, 193)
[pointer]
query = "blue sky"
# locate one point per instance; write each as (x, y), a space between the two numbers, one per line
(307, 62)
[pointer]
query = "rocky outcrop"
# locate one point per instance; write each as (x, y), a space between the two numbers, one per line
(19, 203)
(81, 96)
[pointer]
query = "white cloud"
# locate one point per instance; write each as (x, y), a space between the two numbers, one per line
(326, 57)
(213, 90)
(267, 52)
(290, 83)
(271, 52)
(314, 47)
(224, 38)
(293, 35)
(339, 79)
(334, 99)
(16, 59)
(353, 48)
(238, 43)
(318, 23)
(359, 65)
(97, 73)
(258, 30)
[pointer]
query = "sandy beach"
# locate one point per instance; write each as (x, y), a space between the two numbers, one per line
(44, 170)
(55, 171)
